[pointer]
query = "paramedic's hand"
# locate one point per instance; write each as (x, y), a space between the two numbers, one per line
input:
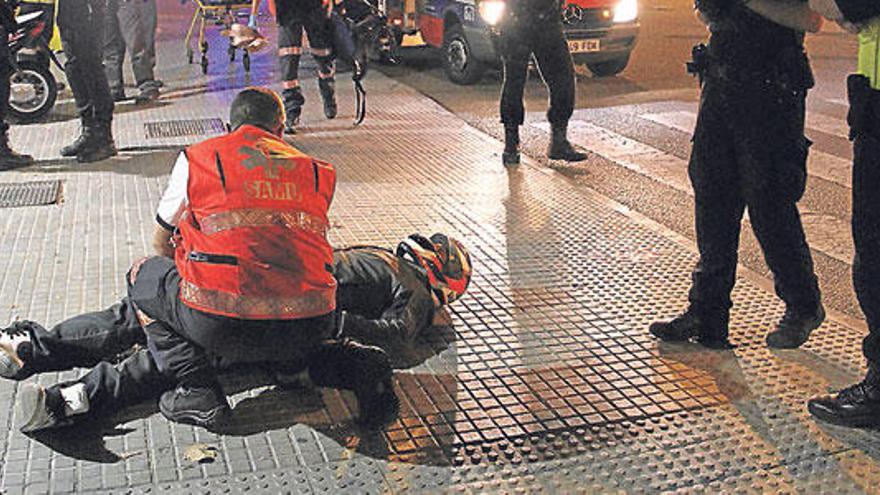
(252, 22)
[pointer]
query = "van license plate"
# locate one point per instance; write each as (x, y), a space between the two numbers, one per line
(583, 46)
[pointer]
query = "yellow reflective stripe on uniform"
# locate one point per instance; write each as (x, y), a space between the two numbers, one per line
(869, 53)
(257, 307)
(293, 220)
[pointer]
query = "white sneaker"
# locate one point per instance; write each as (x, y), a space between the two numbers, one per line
(10, 338)
(40, 408)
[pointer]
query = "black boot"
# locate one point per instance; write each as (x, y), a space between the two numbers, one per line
(85, 131)
(99, 144)
(709, 332)
(856, 406)
(561, 148)
(292, 122)
(9, 159)
(366, 371)
(795, 328)
(200, 405)
(510, 156)
(328, 95)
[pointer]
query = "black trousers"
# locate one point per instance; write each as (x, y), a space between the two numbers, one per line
(183, 340)
(311, 18)
(81, 23)
(866, 228)
(517, 41)
(749, 151)
(5, 72)
(111, 343)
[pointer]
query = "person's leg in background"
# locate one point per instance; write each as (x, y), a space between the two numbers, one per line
(114, 51)
(557, 69)
(9, 159)
(515, 52)
(82, 36)
(320, 32)
(133, 26)
(289, 53)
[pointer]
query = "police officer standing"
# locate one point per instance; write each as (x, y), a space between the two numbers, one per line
(9, 159)
(859, 405)
(749, 151)
(294, 16)
(535, 27)
(81, 23)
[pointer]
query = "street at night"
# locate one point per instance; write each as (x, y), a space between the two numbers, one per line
(537, 375)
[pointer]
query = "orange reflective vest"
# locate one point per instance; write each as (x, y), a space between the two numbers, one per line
(252, 243)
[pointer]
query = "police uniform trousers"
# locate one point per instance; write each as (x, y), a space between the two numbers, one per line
(310, 17)
(131, 25)
(518, 39)
(749, 151)
(183, 340)
(81, 23)
(866, 226)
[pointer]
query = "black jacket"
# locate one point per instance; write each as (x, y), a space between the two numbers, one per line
(7, 16)
(859, 10)
(382, 299)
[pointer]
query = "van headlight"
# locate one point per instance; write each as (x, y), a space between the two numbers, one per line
(492, 11)
(626, 11)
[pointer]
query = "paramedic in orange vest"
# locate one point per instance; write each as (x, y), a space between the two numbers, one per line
(245, 219)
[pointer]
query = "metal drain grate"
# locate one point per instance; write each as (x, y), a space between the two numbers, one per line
(186, 127)
(29, 193)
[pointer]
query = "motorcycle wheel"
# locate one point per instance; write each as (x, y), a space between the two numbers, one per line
(32, 92)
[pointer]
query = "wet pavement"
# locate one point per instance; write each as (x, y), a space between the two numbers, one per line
(545, 380)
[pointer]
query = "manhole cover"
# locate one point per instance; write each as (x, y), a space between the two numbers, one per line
(35, 193)
(186, 127)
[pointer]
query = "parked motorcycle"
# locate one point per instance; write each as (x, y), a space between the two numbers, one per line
(33, 88)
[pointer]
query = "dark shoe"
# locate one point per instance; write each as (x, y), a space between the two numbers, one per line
(689, 326)
(119, 96)
(200, 406)
(10, 160)
(41, 408)
(100, 152)
(510, 156)
(99, 146)
(328, 95)
(10, 338)
(857, 406)
(87, 129)
(366, 371)
(147, 95)
(794, 329)
(291, 124)
(561, 149)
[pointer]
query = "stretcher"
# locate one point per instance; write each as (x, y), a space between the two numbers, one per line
(222, 13)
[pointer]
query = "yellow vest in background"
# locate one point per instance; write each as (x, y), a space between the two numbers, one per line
(869, 53)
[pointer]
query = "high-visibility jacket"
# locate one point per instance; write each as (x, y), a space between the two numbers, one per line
(252, 243)
(869, 53)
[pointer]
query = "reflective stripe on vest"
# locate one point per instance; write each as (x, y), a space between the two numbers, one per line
(253, 240)
(869, 53)
(298, 220)
(251, 306)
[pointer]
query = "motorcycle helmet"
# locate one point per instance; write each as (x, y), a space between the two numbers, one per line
(446, 262)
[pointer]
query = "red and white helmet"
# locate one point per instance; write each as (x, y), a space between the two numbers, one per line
(445, 260)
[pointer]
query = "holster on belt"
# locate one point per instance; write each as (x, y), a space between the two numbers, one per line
(862, 102)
